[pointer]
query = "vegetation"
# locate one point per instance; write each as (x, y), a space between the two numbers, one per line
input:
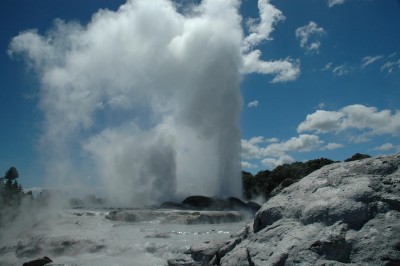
(10, 191)
(357, 156)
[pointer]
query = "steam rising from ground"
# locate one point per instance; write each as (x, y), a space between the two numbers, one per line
(147, 98)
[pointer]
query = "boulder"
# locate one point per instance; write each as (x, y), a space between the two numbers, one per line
(38, 262)
(199, 202)
(343, 214)
(212, 204)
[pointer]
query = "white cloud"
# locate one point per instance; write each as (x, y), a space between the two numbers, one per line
(327, 66)
(358, 117)
(260, 30)
(332, 3)
(368, 60)
(271, 152)
(250, 149)
(385, 147)
(332, 146)
(302, 143)
(309, 36)
(247, 165)
(274, 162)
(390, 66)
(284, 70)
(321, 122)
(269, 16)
(252, 104)
(341, 70)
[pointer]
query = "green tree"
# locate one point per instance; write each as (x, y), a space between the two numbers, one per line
(11, 174)
(357, 156)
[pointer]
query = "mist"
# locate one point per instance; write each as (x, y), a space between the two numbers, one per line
(144, 102)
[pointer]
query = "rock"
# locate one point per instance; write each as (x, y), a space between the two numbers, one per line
(183, 260)
(57, 246)
(183, 217)
(38, 262)
(199, 201)
(285, 183)
(342, 214)
(213, 204)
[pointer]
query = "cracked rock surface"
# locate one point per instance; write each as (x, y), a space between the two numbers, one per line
(343, 214)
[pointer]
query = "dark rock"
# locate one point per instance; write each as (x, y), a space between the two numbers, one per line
(285, 183)
(253, 206)
(38, 262)
(212, 204)
(199, 201)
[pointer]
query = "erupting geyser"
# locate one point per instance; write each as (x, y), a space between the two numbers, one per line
(147, 97)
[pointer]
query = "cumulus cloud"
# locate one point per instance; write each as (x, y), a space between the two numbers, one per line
(134, 97)
(272, 153)
(309, 36)
(368, 120)
(368, 60)
(252, 104)
(247, 165)
(284, 70)
(332, 3)
(261, 29)
(302, 143)
(274, 162)
(332, 146)
(385, 147)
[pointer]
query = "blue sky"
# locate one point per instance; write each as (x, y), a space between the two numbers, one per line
(334, 91)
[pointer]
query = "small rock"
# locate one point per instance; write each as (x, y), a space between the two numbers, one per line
(38, 262)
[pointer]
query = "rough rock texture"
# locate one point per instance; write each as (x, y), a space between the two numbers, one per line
(56, 246)
(343, 214)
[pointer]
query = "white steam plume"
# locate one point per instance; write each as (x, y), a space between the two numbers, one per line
(146, 98)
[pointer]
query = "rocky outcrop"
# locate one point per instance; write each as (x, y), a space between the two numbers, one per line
(343, 214)
(38, 262)
(198, 202)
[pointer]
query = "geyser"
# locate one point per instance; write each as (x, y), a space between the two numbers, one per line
(145, 100)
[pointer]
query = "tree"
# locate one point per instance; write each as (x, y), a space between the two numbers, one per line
(357, 156)
(11, 174)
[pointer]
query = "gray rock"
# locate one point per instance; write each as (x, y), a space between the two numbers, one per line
(183, 260)
(343, 214)
(56, 246)
(183, 217)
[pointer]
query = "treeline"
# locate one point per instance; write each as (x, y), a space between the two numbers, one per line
(268, 183)
(11, 192)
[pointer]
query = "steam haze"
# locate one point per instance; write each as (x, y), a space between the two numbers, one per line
(145, 100)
